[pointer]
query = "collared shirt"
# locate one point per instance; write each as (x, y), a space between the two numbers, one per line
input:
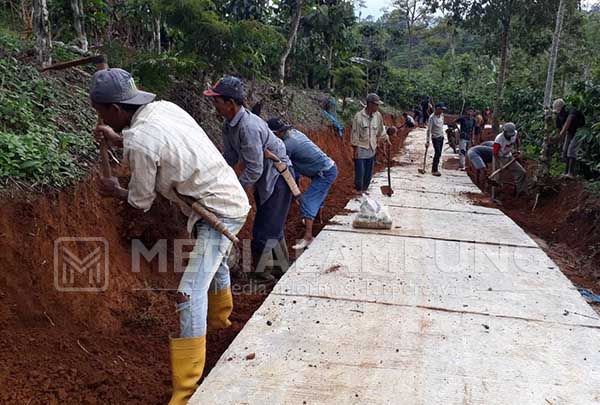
(435, 126)
(365, 130)
(307, 158)
(168, 151)
(245, 138)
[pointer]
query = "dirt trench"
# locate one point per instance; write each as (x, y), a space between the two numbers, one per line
(112, 346)
(565, 222)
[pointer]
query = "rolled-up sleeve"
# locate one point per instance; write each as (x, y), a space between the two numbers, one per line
(252, 154)
(143, 179)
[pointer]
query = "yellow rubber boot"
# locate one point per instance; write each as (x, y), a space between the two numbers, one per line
(187, 364)
(220, 305)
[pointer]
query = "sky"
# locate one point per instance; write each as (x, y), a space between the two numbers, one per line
(373, 7)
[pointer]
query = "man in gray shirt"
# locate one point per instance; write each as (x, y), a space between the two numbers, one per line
(245, 138)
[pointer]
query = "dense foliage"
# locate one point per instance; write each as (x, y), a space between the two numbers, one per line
(451, 50)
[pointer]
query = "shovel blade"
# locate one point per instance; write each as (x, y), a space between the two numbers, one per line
(387, 190)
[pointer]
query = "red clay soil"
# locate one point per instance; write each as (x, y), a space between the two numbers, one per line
(566, 220)
(112, 346)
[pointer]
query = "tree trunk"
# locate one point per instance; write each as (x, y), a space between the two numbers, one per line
(549, 124)
(452, 39)
(290, 42)
(504, 43)
(156, 39)
(79, 24)
(41, 29)
(554, 54)
(330, 66)
(410, 48)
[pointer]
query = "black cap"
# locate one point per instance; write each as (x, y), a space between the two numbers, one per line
(228, 86)
(441, 105)
(277, 124)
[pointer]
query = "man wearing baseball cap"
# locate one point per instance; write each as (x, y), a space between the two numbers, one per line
(367, 126)
(168, 153)
(435, 136)
(502, 150)
(245, 138)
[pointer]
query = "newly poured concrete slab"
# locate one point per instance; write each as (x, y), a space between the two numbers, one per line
(325, 351)
(457, 276)
(454, 305)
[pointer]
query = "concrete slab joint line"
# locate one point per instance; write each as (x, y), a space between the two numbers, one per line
(451, 311)
(370, 232)
(455, 304)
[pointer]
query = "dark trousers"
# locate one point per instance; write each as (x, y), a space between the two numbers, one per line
(438, 145)
(363, 171)
(270, 218)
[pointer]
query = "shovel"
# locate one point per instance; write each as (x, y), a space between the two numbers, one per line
(422, 170)
(387, 190)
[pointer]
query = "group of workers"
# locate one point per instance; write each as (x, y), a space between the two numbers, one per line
(168, 153)
(502, 153)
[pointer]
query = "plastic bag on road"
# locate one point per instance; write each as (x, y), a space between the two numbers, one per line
(372, 215)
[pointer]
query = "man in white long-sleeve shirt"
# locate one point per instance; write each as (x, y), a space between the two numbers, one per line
(170, 154)
(435, 135)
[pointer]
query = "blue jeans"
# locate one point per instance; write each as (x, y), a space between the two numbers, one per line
(207, 268)
(363, 171)
(312, 199)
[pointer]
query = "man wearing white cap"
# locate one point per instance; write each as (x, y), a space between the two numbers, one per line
(502, 151)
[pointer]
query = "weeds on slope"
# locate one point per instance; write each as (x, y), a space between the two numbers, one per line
(45, 123)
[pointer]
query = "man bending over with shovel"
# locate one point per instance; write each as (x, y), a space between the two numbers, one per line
(170, 154)
(309, 161)
(504, 160)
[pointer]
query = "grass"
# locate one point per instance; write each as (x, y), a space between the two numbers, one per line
(593, 187)
(45, 123)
